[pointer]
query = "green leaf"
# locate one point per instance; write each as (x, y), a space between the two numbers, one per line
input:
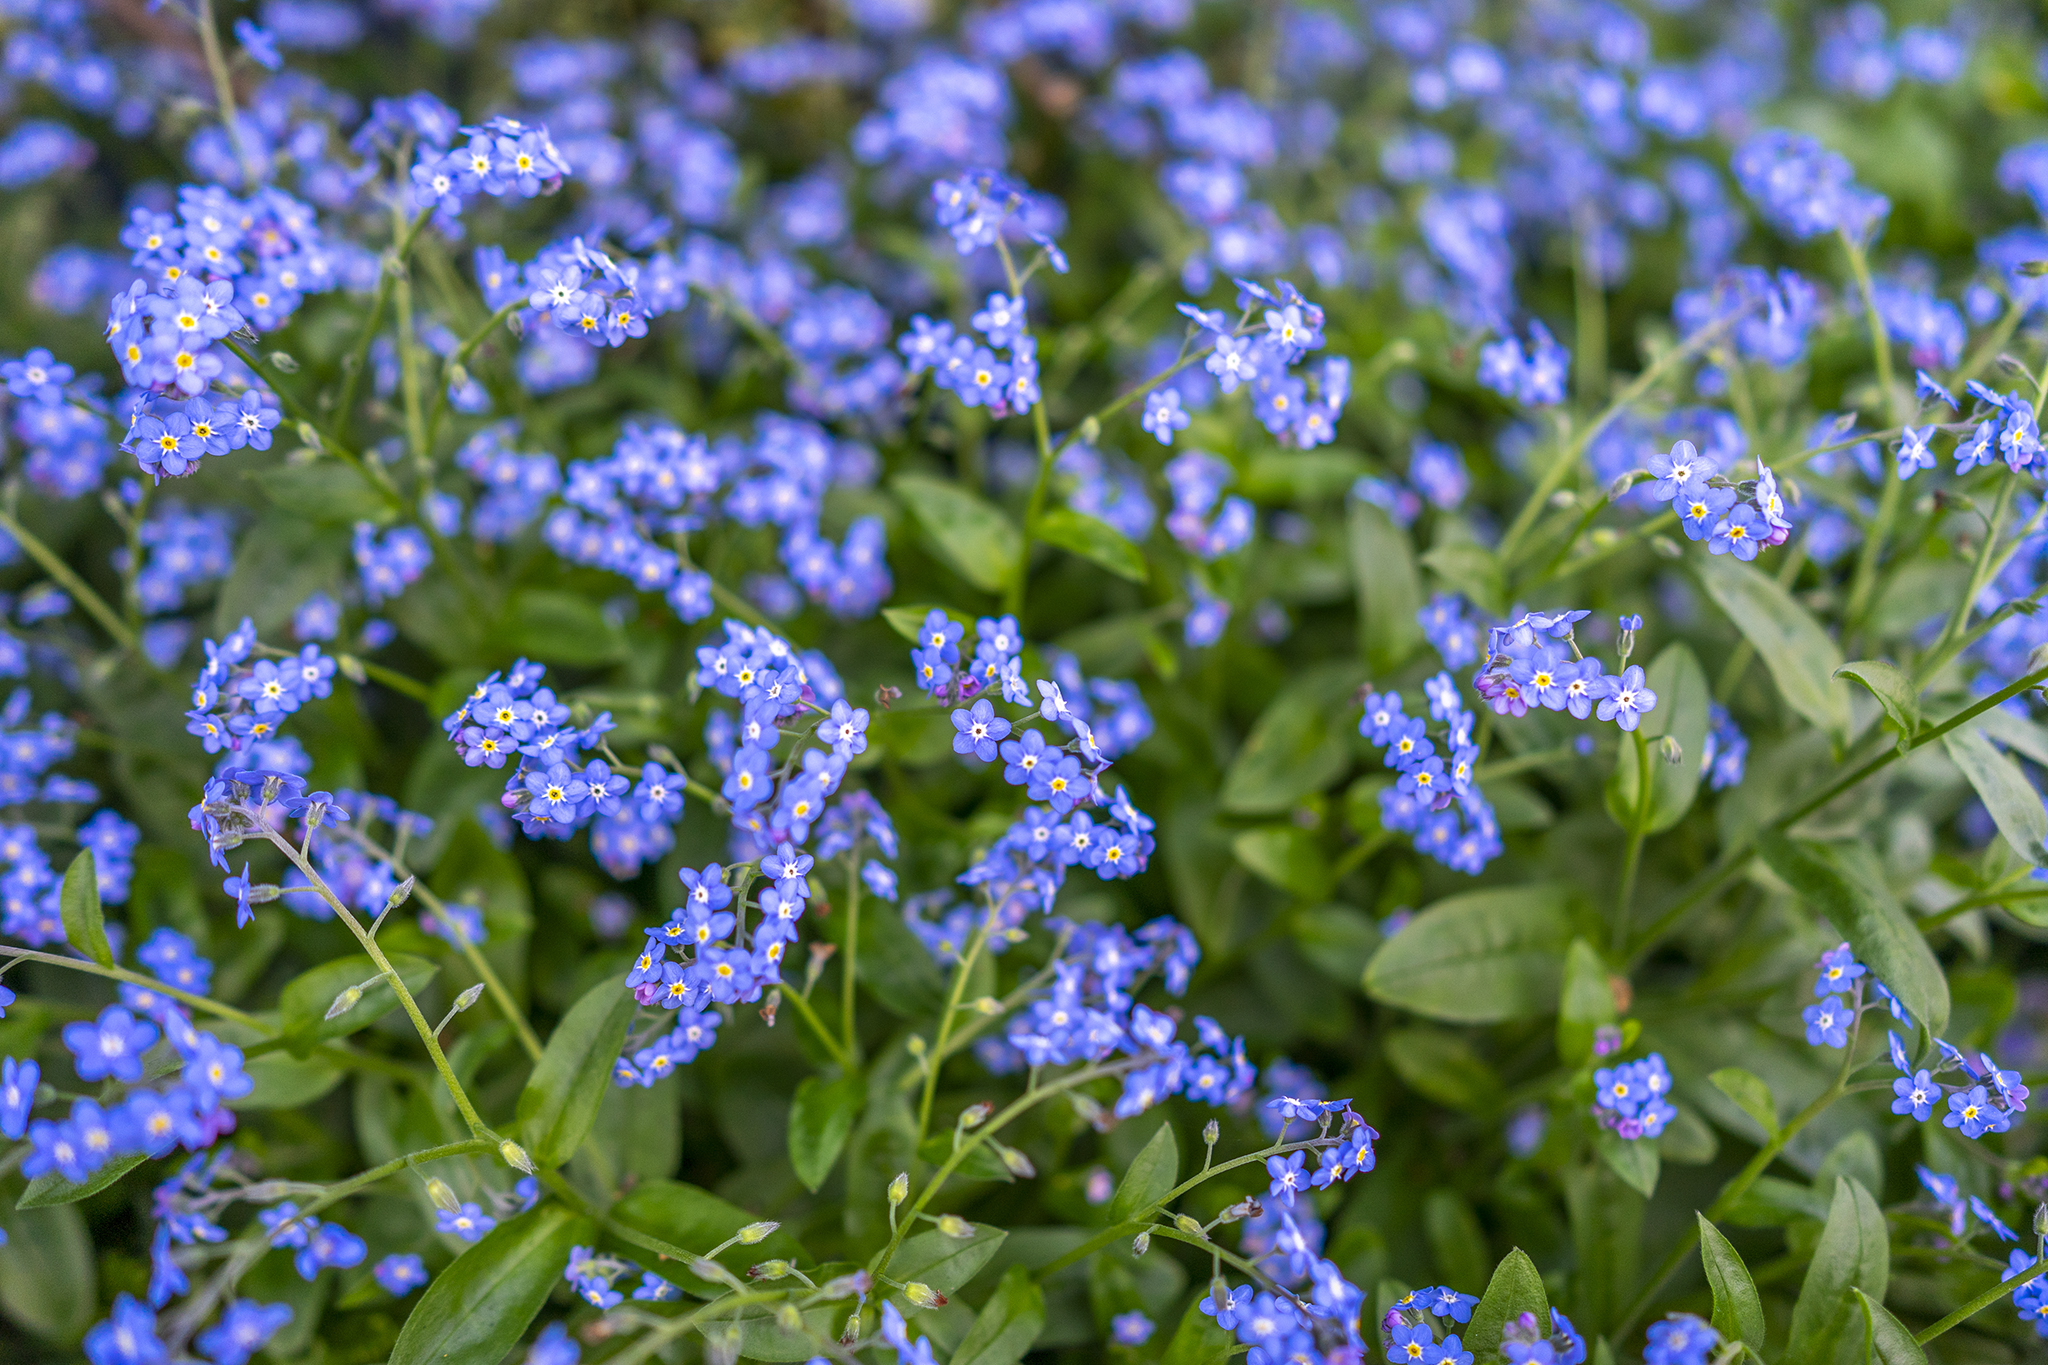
(1738, 1310)
(696, 1220)
(1750, 1094)
(1893, 689)
(820, 1117)
(1389, 591)
(1682, 698)
(1846, 883)
(946, 1263)
(1607, 1235)
(85, 927)
(980, 1163)
(1477, 958)
(559, 627)
(1198, 1340)
(1889, 1340)
(1456, 1241)
(1585, 1002)
(906, 620)
(46, 1190)
(1092, 539)
(48, 1275)
(1443, 1067)
(324, 491)
(1801, 657)
(1288, 856)
(1153, 1173)
(1515, 1288)
(560, 1101)
(761, 1335)
(975, 538)
(1636, 1161)
(1854, 1252)
(303, 1004)
(1299, 745)
(2014, 804)
(477, 1308)
(1470, 568)
(1007, 1324)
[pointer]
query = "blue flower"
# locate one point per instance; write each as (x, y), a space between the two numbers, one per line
(1627, 699)
(1681, 1339)
(1828, 1022)
(18, 1082)
(980, 729)
(1700, 506)
(1164, 415)
(111, 1045)
(1913, 455)
(1288, 1180)
(1972, 1111)
(469, 1222)
(400, 1273)
(246, 1326)
(1838, 970)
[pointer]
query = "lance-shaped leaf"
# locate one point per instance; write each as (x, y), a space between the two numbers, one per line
(560, 1101)
(478, 1307)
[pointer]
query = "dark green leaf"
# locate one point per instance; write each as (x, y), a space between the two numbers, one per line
(1337, 940)
(1007, 1324)
(324, 491)
(1198, 1340)
(820, 1116)
(695, 1220)
(980, 1163)
(1890, 1342)
(1092, 539)
(1846, 883)
(2014, 804)
(945, 1263)
(1636, 1161)
(1468, 567)
(1515, 1288)
(976, 539)
(1738, 1311)
(560, 1101)
(1607, 1234)
(1298, 746)
(1152, 1175)
(1801, 657)
(1389, 591)
(48, 1275)
(85, 927)
(761, 1335)
(1893, 689)
(1682, 697)
(1286, 855)
(1584, 1004)
(303, 1004)
(478, 1307)
(1477, 958)
(1749, 1093)
(1854, 1252)
(1443, 1067)
(559, 627)
(46, 1190)
(1456, 1241)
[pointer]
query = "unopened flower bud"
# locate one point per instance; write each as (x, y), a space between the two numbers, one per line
(443, 1197)
(846, 1286)
(899, 1188)
(1191, 1226)
(852, 1332)
(283, 362)
(515, 1156)
(400, 896)
(973, 1115)
(1091, 430)
(1141, 1244)
(1672, 750)
(787, 1318)
(1211, 1131)
(915, 1047)
(2041, 1220)
(769, 1270)
(923, 1295)
(469, 997)
(953, 1225)
(988, 1005)
(345, 1002)
(1085, 1106)
(755, 1232)
(1015, 1162)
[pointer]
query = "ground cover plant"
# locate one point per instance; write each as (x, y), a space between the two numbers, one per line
(1114, 679)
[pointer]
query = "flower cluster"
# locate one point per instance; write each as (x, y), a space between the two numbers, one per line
(1738, 519)
(1630, 1098)
(1420, 800)
(237, 703)
(1535, 660)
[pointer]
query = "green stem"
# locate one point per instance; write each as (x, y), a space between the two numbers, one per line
(931, 1067)
(1589, 300)
(460, 359)
(408, 359)
(1980, 1303)
(1977, 902)
(396, 681)
(224, 94)
(1013, 594)
(80, 590)
(850, 976)
(1639, 826)
(352, 382)
(810, 1016)
(1978, 576)
(186, 998)
(1988, 349)
(1732, 860)
(1865, 578)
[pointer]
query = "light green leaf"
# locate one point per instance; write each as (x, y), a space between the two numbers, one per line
(1093, 539)
(1636, 1161)
(761, 1335)
(697, 1220)
(46, 1190)
(1893, 689)
(1584, 1004)
(559, 1103)
(1152, 1175)
(1801, 657)
(1738, 1309)
(1477, 958)
(85, 926)
(905, 620)
(1516, 1288)
(1443, 1067)
(303, 1004)
(2014, 804)
(820, 1117)
(946, 1263)
(1468, 567)
(1889, 1340)
(478, 1307)
(1007, 1324)
(1846, 883)
(1680, 683)
(975, 538)
(1750, 1094)
(48, 1275)
(1299, 745)
(1388, 588)
(1854, 1252)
